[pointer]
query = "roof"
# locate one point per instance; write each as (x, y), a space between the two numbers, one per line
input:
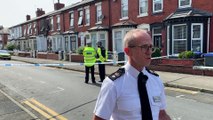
(4, 31)
(69, 32)
(56, 11)
(128, 23)
(98, 28)
(188, 12)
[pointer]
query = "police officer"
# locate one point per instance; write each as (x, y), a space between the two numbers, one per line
(89, 54)
(119, 97)
(102, 56)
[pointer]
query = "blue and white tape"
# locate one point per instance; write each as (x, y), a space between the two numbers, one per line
(114, 62)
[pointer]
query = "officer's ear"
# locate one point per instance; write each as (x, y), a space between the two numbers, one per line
(126, 50)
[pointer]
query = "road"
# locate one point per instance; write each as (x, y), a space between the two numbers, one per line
(62, 94)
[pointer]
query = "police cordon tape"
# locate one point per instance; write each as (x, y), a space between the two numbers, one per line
(114, 62)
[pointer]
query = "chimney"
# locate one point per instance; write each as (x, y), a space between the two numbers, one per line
(58, 5)
(39, 12)
(27, 17)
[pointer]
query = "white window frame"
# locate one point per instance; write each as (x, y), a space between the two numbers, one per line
(98, 13)
(73, 42)
(80, 17)
(156, 34)
(51, 23)
(87, 16)
(142, 4)
(34, 27)
(157, 2)
(173, 39)
(95, 37)
(124, 4)
(123, 33)
(184, 6)
(29, 29)
(103, 40)
(25, 30)
(168, 40)
(200, 38)
(58, 22)
(72, 19)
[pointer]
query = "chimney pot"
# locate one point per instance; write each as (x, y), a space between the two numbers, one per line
(28, 17)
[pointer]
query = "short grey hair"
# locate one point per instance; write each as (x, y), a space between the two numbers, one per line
(129, 38)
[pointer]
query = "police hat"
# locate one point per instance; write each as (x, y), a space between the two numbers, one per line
(99, 43)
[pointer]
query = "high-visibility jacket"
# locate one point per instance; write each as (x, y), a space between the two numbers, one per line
(89, 54)
(102, 54)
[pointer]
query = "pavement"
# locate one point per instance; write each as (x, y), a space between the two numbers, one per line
(10, 109)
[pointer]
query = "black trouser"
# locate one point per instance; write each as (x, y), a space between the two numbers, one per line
(87, 74)
(101, 68)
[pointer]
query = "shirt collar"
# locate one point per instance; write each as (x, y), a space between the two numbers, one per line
(132, 71)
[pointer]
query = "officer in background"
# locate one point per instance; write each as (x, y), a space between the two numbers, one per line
(133, 92)
(89, 54)
(102, 56)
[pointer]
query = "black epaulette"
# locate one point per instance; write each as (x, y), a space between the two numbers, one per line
(152, 72)
(117, 74)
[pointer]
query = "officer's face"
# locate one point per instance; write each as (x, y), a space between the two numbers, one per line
(141, 52)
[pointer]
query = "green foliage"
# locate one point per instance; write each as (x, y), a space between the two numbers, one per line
(80, 50)
(186, 54)
(11, 47)
(156, 53)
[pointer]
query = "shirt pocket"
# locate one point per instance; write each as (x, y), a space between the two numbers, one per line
(129, 103)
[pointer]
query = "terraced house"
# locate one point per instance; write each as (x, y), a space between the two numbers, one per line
(175, 25)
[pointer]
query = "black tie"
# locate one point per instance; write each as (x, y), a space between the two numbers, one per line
(145, 106)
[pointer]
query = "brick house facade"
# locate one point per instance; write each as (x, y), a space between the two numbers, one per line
(175, 25)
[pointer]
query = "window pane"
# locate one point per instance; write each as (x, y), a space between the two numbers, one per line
(102, 39)
(196, 31)
(118, 41)
(184, 2)
(180, 46)
(180, 32)
(124, 8)
(87, 16)
(157, 6)
(94, 39)
(196, 45)
(73, 43)
(143, 6)
(157, 30)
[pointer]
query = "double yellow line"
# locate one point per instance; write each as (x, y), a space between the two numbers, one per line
(43, 110)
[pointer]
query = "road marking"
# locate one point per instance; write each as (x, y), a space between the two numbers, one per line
(21, 106)
(42, 82)
(56, 91)
(39, 110)
(181, 90)
(43, 110)
(179, 96)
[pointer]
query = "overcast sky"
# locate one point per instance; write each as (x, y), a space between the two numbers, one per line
(13, 12)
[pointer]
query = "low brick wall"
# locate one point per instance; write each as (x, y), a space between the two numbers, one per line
(44, 55)
(178, 66)
(24, 54)
(76, 58)
(178, 62)
(52, 56)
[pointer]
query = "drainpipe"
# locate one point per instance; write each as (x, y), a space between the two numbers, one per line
(110, 30)
(208, 33)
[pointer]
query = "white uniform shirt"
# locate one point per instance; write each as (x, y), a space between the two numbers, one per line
(119, 99)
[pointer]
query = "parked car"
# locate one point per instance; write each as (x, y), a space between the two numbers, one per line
(4, 54)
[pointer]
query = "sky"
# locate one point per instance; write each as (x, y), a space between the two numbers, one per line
(13, 12)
